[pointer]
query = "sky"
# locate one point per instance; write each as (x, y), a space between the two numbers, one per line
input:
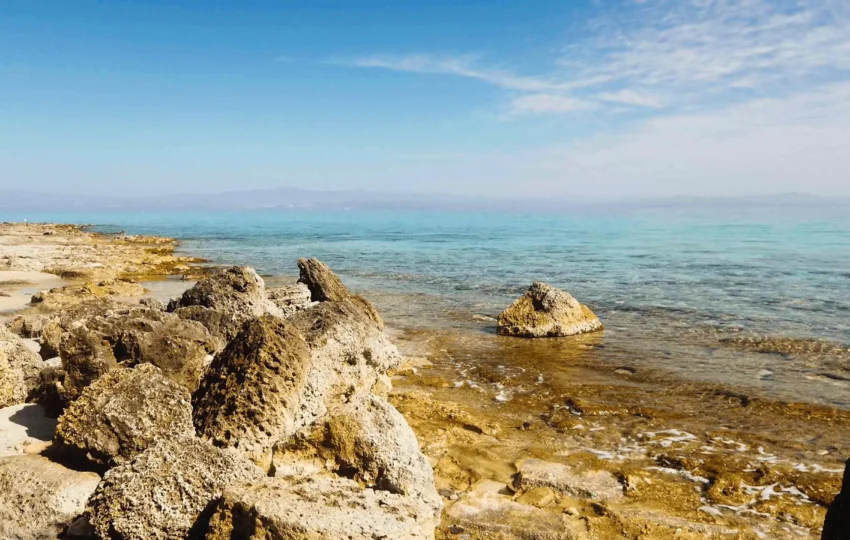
(535, 98)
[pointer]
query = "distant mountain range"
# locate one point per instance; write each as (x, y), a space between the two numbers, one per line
(283, 199)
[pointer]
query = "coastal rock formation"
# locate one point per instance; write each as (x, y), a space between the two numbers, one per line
(19, 368)
(837, 523)
(40, 498)
(63, 297)
(325, 286)
(313, 508)
(237, 292)
(50, 391)
(596, 485)
(85, 357)
(122, 413)
(162, 492)
(370, 442)
(290, 298)
(249, 396)
(544, 311)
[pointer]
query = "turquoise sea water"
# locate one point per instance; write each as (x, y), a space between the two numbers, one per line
(675, 286)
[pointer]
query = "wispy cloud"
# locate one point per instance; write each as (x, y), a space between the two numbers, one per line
(671, 54)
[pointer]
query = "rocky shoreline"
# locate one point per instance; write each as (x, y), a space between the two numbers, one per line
(228, 413)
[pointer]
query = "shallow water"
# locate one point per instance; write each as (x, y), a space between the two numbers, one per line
(756, 297)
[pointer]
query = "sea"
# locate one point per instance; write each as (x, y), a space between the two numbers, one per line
(756, 297)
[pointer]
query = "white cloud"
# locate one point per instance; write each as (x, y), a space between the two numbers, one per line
(630, 97)
(548, 103)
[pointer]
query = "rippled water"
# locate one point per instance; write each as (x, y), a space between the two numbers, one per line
(756, 296)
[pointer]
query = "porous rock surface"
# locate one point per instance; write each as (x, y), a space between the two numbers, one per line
(249, 396)
(370, 441)
(290, 298)
(544, 311)
(40, 498)
(317, 508)
(597, 485)
(325, 286)
(237, 292)
(19, 368)
(86, 356)
(162, 492)
(122, 413)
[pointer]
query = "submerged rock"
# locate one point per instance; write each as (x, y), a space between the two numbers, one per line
(313, 508)
(19, 368)
(40, 498)
(162, 492)
(597, 485)
(249, 396)
(122, 413)
(370, 442)
(236, 292)
(837, 523)
(544, 311)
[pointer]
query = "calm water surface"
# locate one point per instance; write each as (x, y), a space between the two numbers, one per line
(751, 296)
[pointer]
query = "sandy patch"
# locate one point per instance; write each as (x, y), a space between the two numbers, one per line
(22, 426)
(20, 285)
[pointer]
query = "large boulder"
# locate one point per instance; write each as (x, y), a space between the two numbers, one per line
(85, 357)
(249, 396)
(544, 311)
(19, 368)
(318, 508)
(837, 523)
(290, 298)
(237, 292)
(162, 492)
(39, 498)
(122, 413)
(325, 286)
(369, 441)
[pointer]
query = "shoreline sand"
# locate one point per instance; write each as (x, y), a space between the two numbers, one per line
(705, 460)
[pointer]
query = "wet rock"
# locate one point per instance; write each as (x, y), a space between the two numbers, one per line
(836, 526)
(544, 311)
(249, 396)
(370, 442)
(19, 368)
(122, 413)
(40, 498)
(85, 357)
(596, 485)
(162, 492)
(290, 298)
(237, 292)
(325, 286)
(318, 508)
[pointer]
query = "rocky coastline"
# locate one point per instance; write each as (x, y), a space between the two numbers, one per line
(240, 411)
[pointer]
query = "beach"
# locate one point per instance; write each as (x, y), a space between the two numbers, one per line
(610, 445)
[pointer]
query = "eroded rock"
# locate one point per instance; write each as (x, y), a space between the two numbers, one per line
(290, 298)
(314, 508)
(85, 357)
(325, 286)
(40, 498)
(597, 485)
(162, 492)
(122, 413)
(544, 311)
(19, 368)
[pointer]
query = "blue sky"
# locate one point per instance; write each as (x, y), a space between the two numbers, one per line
(594, 99)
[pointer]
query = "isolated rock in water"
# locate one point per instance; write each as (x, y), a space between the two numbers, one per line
(85, 357)
(350, 355)
(596, 485)
(837, 523)
(314, 508)
(19, 368)
(40, 498)
(544, 311)
(162, 492)
(249, 396)
(290, 298)
(325, 286)
(122, 413)
(237, 292)
(370, 442)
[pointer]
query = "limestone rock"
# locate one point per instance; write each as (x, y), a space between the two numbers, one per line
(40, 498)
(122, 413)
(50, 391)
(290, 298)
(544, 311)
(162, 492)
(237, 292)
(325, 286)
(85, 357)
(837, 523)
(221, 325)
(63, 297)
(596, 485)
(19, 368)
(370, 442)
(318, 508)
(152, 303)
(249, 396)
